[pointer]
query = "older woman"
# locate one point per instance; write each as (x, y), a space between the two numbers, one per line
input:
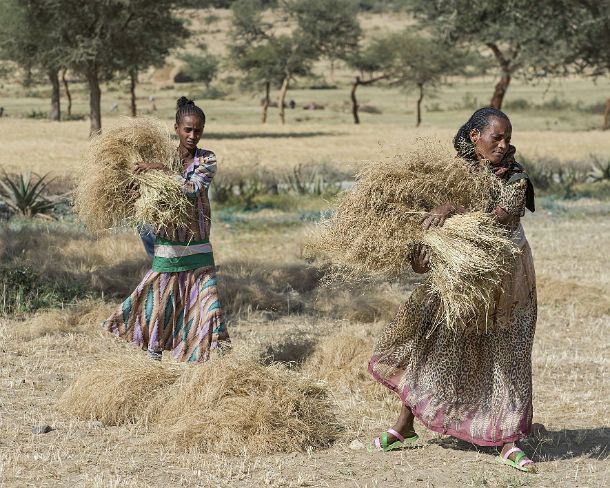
(477, 388)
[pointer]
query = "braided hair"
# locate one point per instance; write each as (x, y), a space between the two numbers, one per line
(479, 120)
(188, 107)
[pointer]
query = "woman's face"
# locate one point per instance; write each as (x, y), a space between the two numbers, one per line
(492, 142)
(189, 131)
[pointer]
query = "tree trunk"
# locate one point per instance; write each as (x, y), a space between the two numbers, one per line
(55, 114)
(508, 64)
(500, 91)
(282, 98)
(67, 90)
(419, 100)
(95, 97)
(355, 105)
(606, 114)
(133, 79)
(266, 101)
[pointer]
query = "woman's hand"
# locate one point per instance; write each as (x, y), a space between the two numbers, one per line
(143, 167)
(420, 259)
(504, 218)
(437, 216)
(134, 189)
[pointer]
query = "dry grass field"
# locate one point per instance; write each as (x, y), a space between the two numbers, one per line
(45, 352)
(251, 147)
(278, 310)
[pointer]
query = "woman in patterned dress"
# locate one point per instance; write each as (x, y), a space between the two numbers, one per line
(476, 387)
(176, 306)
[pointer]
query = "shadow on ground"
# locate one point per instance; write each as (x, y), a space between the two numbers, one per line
(549, 445)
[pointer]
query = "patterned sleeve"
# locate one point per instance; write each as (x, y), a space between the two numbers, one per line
(512, 198)
(200, 178)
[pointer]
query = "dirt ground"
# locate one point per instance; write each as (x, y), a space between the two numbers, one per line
(42, 355)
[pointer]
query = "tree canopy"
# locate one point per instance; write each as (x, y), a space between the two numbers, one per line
(267, 58)
(29, 38)
(518, 33)
(329, 26)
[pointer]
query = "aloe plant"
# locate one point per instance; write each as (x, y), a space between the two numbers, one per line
(22, 194)
(601, 170)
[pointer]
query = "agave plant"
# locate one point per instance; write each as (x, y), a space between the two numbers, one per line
(22, 195)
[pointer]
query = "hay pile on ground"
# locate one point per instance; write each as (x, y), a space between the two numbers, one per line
(83, 317)
(377, 225)
(118, 390)
(103, 198)
(342, 361)
(228, 405)
(235, 406)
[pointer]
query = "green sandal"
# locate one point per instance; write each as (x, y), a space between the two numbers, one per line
(519, 463)
(381, 444)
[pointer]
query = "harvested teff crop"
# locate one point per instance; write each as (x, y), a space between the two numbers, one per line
(110, 194)
(378, 223)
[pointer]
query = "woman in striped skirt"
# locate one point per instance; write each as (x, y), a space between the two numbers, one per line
(176, 307)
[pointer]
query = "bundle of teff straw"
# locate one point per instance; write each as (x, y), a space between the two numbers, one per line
(110, 194)
(377, 225)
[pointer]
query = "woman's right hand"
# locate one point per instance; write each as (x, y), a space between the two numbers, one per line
(420, 259)
(143, 167)
(437, 216)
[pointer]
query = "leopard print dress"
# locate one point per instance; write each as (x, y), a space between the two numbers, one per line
(476, 387)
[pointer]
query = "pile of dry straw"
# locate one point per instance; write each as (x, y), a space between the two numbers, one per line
(228, 405)
(104, 198)
(378, 223)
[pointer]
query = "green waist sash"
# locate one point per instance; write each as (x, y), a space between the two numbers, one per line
(174, 256)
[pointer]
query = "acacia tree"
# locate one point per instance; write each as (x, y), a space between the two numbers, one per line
(265, 58)
(155, 47)
(107, 36)
(373, 64)
(421, 62)
(516, 32)
(330, 27)
(295, 58)
(407, 60)
(586, 34)
(28, 37)
(251, 51)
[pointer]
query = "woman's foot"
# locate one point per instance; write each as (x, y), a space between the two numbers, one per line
(155, 355)
(401, 433)
(404, 424)
(405, 432)
(515, 457)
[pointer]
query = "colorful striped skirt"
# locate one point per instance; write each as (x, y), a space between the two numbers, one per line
(178, 312)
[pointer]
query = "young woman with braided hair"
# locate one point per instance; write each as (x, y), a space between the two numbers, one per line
(176, 306)
(477, 388)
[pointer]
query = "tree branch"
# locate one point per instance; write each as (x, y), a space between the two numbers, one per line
(505, 63)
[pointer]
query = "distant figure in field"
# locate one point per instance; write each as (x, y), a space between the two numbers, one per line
(176, 306)
(476, 387)
(292, 104)
(153, 107)
(1, 112)
(314, 106)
